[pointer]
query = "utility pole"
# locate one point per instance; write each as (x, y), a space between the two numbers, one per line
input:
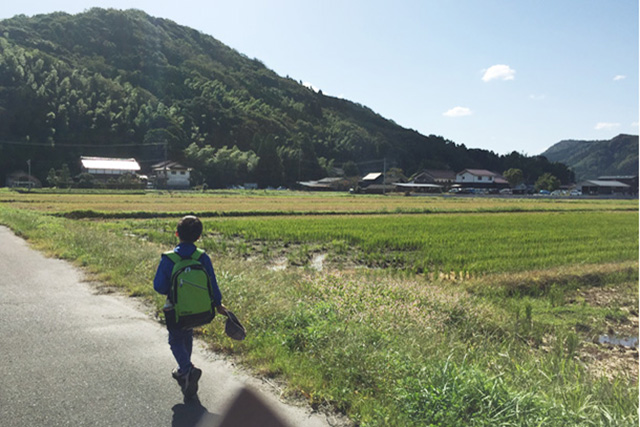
(299, 161)
(384, 176)
(29, 173)
(165, 177)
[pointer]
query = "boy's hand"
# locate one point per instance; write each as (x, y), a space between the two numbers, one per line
(222, 309)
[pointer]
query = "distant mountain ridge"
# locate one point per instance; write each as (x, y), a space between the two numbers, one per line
(591, 159)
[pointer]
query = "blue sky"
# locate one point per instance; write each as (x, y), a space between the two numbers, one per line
(502, 75)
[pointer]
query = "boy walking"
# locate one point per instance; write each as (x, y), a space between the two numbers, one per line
(188, 231)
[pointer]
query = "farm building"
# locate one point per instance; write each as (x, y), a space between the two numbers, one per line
(419, 187)
(325, 184)
(378, 182)
(603, 187)
(22, 179)
(103, 168)
(630, 180)
(429, 181)
(170, 174)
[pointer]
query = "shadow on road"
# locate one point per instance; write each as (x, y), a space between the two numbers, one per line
(191, 413)
(247, 410)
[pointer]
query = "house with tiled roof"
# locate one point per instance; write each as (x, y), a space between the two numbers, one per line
(480, 178)
(169, 174)
(435, 176)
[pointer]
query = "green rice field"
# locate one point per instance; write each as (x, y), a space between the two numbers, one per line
(478, 243)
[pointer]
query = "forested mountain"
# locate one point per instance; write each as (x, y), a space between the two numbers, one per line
(123, 83)
(591, 159)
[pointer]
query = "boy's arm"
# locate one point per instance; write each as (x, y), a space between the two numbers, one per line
(162, 281)
(208, 267)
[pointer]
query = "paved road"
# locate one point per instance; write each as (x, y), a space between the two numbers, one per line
(72, 357)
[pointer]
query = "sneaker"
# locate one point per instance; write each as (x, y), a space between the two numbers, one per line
(190, 386)
(180, 378)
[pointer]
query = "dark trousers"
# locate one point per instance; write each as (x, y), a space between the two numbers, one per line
(181, 343)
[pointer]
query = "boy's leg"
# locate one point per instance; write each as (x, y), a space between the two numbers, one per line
(187, 375)
(188, 343)
(181, 343)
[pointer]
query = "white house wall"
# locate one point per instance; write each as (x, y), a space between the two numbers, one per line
(178, 179)
(468, 177)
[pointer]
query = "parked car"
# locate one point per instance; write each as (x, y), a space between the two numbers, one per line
(576, 193)
(506, 191)
(545, 192)
(461, 190)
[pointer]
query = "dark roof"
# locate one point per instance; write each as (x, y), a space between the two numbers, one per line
(615, 178)
(440, 173)
(416, 185)
(603, 183)
(168, 164)
(313, 184)
(329, 180)
(327, 183)
(479, 172)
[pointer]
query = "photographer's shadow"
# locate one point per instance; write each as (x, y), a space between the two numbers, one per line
(191, 413)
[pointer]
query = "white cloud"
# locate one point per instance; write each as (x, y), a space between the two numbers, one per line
(537, 97)
(619, 77)
(458, 112)
(499, 72)
(634, 124)
(606, 126)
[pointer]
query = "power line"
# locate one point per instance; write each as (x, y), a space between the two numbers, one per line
(62, 144)
(369, 162)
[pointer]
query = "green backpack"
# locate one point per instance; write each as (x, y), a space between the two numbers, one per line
(191, 292)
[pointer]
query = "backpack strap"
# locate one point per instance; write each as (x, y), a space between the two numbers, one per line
(174, 257)
(177, 258)
(197, 254)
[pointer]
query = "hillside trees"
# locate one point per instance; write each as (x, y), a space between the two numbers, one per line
(590, 159)
(110, 83)
(220, 168)
(269, 171)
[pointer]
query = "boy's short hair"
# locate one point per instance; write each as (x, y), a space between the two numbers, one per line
(189, 229)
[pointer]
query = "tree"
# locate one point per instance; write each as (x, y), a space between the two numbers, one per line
(350, 168)
(85, 180)
(52, 177)
(220, 168)
(547, 182)
(514, 176)
(60, 177)
(269, 171)
(310, 167)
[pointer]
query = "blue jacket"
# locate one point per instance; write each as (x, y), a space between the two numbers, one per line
(162, 281)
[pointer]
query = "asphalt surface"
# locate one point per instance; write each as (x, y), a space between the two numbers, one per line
(71, 356)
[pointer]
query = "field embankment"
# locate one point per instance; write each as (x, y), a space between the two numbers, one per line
(485, 315)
